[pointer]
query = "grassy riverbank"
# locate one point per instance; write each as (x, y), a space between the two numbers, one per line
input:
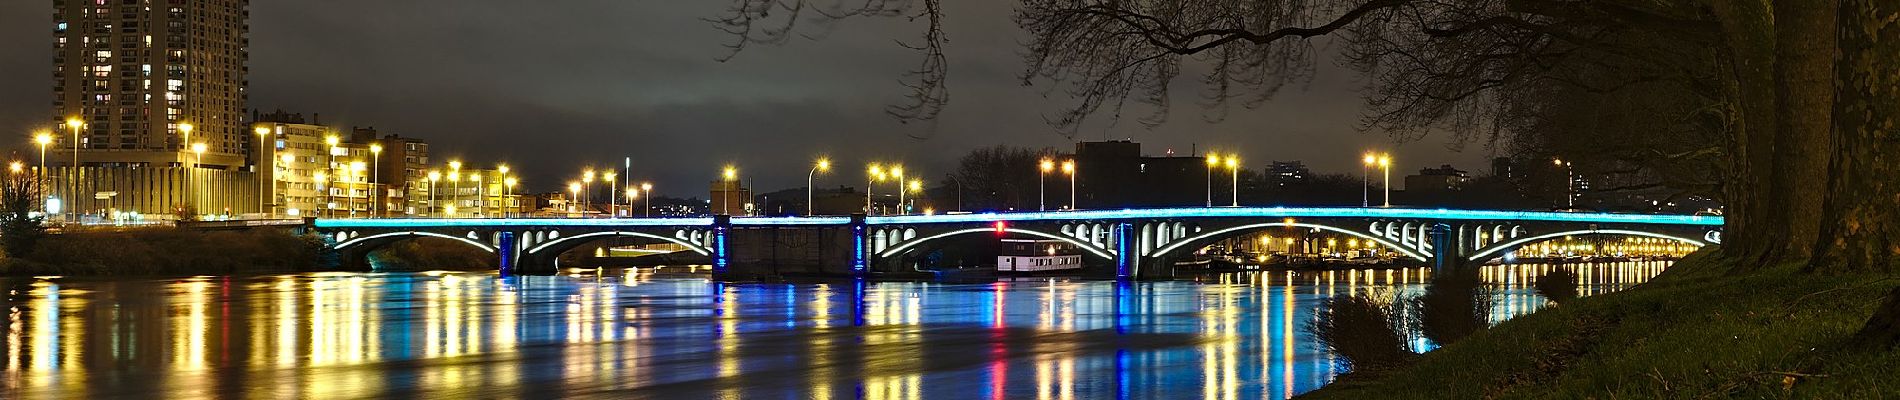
(1694, 332)
(168, 251)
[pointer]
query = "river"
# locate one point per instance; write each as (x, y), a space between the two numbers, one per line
(672, 333)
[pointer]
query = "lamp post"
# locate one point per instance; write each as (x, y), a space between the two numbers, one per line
(508, 187)
(587, 179)
(455, 185)
(822, 165)
(633, 193)
(613, 186)
(379, 199)
(731, 174)
(1068, 168)
(897, 174)
(185, 129)
(507, 199)
(647, 188)
(1385, 167)
(1213, 160)
(1042, 183)
(73, 171)
(433, 177)
(1365, 180)
(1570, 183)
(42, 139)
(1233, 170)
(198, 150)
(573, 204)
(876, 173)
(262, 205)
(330, 166)
(915, 186)
(357, 169)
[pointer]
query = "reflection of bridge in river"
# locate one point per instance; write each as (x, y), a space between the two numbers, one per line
(1120, 243)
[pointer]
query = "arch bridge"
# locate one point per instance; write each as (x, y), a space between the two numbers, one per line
(1130, 243)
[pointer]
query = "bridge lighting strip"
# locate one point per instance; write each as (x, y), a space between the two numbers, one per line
(1512, 245)
(1159, 213)
(1307, 212)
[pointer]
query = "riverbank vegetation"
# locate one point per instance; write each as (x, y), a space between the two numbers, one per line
(431, 254)
(1697, 331)
(167, 251)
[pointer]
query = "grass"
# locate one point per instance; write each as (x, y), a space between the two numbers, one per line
(1692, 333)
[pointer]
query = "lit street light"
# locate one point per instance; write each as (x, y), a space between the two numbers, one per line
(42, 139)
(508, 197)
(1365, 180)
(1233, 170)
(647, 188)
(897, 174)
(197, 149)
(823, 164)
(574, 187)
(1068, 168)
(1042, 186)
(916, 186)
(377, 199)
(262, 195)
(876, 174)
(613, 202)
(1385, 167)
(1213, 160)
(73, 170)
(1570, 183)
(731, 174)
(433, 176)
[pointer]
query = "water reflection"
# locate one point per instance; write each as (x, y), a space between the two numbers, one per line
(641, 333)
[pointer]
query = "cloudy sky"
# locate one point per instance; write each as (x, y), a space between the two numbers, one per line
(554, 86)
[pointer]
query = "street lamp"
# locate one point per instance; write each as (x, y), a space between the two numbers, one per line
(1213, 160)
(1042, 183)
(357, 168)
(1068, 168)
(455, 184)
(1233, 170)
(434, 175)
(42, 139)
(379, 195)
(1365, 180)
(481, 197)
(647, 188)
(197, 149)
(731, 175)
(507, 198)
(330, 166)
(1570, 183)
(876, 175)
(897, 174)
(916, 186)
(587, 179)
(822, 165)
(73, 171)
(323, 183)
(613, 203)
(574, 187)
(1385, 167)
(185, 128)
(262, 133)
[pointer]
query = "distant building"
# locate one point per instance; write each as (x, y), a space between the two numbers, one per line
(140, 85)
(1290, 173)
(1114, 174)
(299, 163)
(729, 197)
(1436, 180)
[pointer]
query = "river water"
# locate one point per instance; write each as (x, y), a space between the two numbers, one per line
(672, 333)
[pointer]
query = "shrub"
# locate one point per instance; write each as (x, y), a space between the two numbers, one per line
(1560, 285)
(1363, 331)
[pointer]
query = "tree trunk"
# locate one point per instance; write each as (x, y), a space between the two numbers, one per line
(1804, 98)
(1863, 202)
(1749, 30)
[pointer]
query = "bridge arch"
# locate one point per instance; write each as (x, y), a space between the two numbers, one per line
(907, 245)
(1499, 249)
(1204, 238)
(381, 238)
(564, 243)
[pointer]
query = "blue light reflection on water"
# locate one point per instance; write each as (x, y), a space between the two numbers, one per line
(619, 333)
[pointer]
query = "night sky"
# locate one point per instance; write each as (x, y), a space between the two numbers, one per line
(551, 87)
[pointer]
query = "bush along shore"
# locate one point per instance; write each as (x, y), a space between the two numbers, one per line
(1700, 330)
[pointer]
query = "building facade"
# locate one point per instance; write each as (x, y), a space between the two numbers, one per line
(141, 83)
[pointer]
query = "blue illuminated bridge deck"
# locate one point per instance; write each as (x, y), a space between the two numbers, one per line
(1082, 215)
